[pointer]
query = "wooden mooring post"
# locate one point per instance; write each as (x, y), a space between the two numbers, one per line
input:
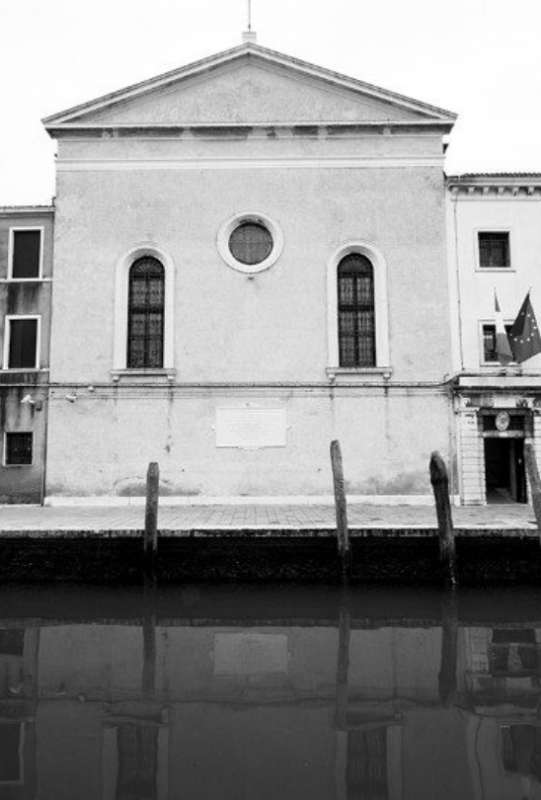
(440, 486)
(447, 678)
(150, 536)
(149, 655)
(342, 532)
(342, 668)
(535, 482)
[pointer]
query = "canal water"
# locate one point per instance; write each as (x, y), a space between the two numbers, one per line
(274, 693)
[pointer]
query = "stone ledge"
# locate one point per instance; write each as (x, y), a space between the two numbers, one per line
(268, 531)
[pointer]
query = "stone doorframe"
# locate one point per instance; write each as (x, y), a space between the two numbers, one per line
(470, 444)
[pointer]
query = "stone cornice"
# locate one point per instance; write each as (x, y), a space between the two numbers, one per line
(18, 211)
(218, 130)
(503, 186)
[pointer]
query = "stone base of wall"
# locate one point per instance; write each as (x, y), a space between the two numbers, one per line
(395, 558)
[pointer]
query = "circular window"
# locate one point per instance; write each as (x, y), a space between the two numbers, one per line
(249, 242)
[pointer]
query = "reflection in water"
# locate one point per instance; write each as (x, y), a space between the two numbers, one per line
(277, 693)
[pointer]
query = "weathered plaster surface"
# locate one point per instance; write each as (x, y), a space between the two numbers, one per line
(384, 452)
(230, 326)
(24, 484)
(250, 92)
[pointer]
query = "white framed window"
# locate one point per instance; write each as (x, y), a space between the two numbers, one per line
(492, 249)
(250, 242)
(25, 253)
(22, 338)
(18, 449)
(487, 342)
(373, 355)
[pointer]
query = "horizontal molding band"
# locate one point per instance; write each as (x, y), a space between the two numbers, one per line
(100, 165)
(140, 390)
(250, 385)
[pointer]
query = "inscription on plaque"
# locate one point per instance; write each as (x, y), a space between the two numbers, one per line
(249, 427)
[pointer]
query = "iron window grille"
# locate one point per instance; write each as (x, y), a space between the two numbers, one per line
(494, 249)
(356, 315)
(146, 314)
(250, 243)
(18, 449)
(366, 774)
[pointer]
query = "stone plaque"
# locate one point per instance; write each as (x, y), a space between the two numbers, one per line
(249, 427)
(249, 653)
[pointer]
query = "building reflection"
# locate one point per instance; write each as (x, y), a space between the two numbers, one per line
(18, 703)
(161, 707)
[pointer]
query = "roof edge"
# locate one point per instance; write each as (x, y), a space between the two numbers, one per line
(472, 177)
(223, 57)
(171, 129)
(27, 209)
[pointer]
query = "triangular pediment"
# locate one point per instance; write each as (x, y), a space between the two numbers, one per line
(249, 85)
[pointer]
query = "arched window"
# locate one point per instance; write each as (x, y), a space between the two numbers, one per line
(356, 314)
(146, 294)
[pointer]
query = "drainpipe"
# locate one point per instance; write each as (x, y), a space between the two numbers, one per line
(454, 199)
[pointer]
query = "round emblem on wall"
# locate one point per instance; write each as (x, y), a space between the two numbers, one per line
(249, 242)
(502, 420)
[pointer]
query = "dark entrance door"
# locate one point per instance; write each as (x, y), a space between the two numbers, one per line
(504, 470)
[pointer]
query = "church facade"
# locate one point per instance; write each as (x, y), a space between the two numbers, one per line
(250, 261)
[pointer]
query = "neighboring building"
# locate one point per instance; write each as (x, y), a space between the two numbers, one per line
(26, 262)
(494, 234)
(250, 261)
(19, 696)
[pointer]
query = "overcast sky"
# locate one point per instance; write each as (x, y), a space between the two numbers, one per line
(479, 58)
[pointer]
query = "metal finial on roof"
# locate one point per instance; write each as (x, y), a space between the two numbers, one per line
(249, 35)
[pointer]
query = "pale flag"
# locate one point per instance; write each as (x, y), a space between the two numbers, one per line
(503, 350)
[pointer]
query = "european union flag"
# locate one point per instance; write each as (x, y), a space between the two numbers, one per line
(524, 336)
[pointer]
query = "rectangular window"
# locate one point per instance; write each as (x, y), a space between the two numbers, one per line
(26, 245)
(12, 641)
(11, 748)
(21, 343)
(366, 773)
(18, 450)
(489, 343)
(494, 249)
(521, 750)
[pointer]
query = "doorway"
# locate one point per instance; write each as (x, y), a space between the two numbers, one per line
(504, 470)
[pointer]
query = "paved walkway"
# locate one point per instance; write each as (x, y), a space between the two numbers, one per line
(269, 517)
